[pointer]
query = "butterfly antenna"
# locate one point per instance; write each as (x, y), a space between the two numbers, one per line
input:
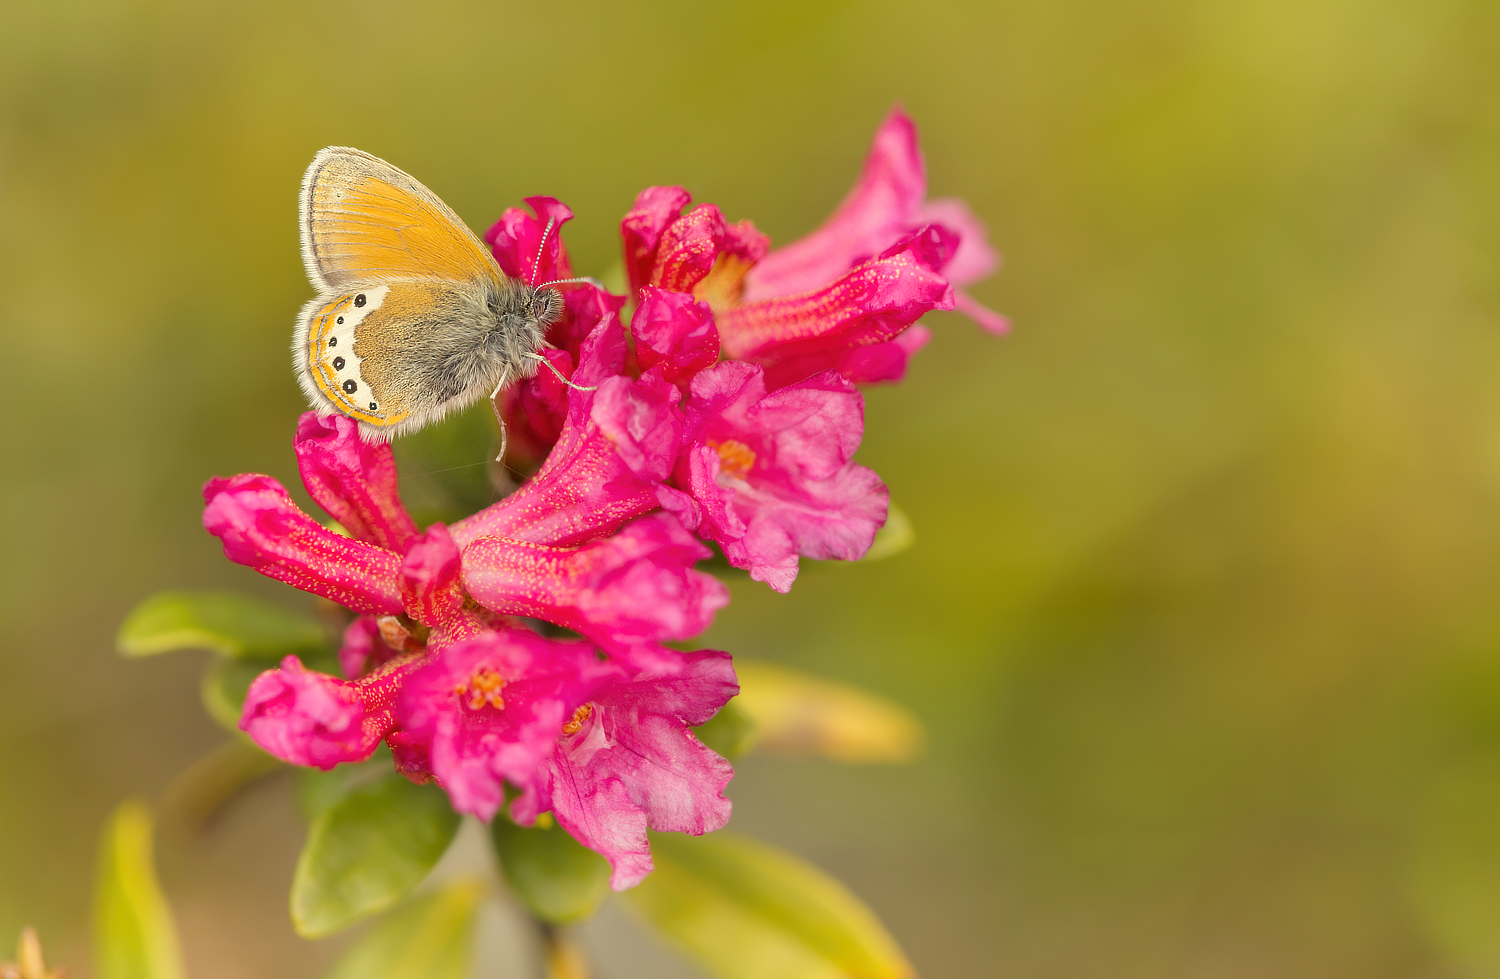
(562, 282)
(536, 265)
(553, 368)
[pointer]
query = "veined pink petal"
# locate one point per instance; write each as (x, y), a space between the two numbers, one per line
(354, 480)
(489, 710)
(261, 527)
(642, 227)
(869, 364)
(676, 331)
(308, 718)
(871, 304)
(636, 585)
(632, 763)
(517, 237)
(878, 210)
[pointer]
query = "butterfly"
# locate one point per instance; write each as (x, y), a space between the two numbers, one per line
(413, 318)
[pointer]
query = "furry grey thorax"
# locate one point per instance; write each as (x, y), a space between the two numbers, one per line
(468, 342)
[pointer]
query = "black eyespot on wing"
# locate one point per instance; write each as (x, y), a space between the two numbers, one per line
(333, 341)
(373, 406)
(350, 386)
(359, 300)
(338, 363)
(340, 320)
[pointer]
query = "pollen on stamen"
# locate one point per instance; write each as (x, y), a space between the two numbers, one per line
(483, 687)
(579, 716)
(735, 457)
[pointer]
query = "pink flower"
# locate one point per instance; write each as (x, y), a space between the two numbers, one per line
(627, 761)
(309, 718)
(490, 709)
(774, 473)
(535, 408)
(624, 590)
(638, 585)
(887, 202)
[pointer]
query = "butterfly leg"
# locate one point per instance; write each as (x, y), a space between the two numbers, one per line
(495, 404)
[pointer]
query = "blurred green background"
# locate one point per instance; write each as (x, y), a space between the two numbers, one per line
(1203, 613)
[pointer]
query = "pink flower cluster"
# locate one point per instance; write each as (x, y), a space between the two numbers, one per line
(728, 413)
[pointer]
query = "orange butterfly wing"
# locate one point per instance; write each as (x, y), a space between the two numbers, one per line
(364, 221)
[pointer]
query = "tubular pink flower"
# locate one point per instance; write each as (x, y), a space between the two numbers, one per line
(261, 527)
(637, 585)
(627, 761)
(308, 718)
(872, 303)
(885, 203)
(488, 710)
(615, 450)
(354, 480)
(774, 473)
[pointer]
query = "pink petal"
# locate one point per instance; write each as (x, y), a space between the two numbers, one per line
(634, 764)
(354, 480)
(791, 487)
(990, 320)
(516, 238)
(454, 728)
(642, 227)
(879, 209)
(431, 585)
(362, 649)
(687, 249)
(975, 258)
(871, 304)
(261, 527)
(308, 718)
(636, 585)
(616, 448)
(676, 331)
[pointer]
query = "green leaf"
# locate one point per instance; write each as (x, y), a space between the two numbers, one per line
(318, 791)
(429, 938)
(228, 624)
(746, 910)
(558, 879)
(134, 937)
(223, 688)
(730, 732)
(793, 713)
(368, 850)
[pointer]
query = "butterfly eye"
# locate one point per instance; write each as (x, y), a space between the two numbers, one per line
(350, 387)
(359, 300)
(338, 363)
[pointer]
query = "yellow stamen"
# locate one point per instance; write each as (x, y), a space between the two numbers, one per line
(483, 687)
(735, 458)
(724, 284)
(579, 716)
